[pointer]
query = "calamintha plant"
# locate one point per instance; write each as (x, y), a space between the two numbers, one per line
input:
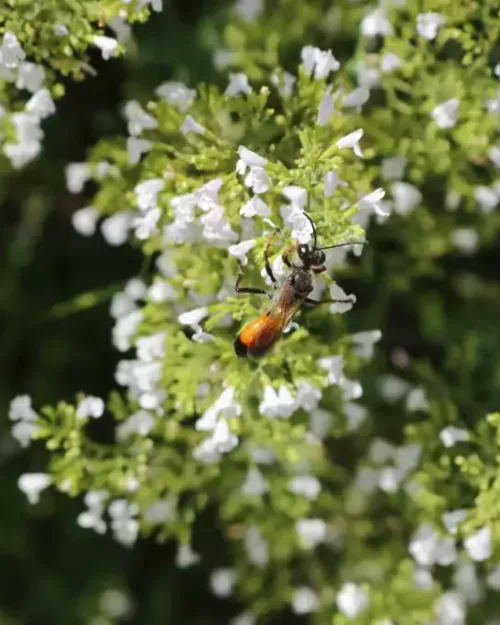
(326, 511)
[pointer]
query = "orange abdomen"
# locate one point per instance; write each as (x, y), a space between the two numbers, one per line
(258, 336)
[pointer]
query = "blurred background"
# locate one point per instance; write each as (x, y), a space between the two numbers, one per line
(52, 571)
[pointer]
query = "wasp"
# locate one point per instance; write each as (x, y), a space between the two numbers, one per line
(260, 334)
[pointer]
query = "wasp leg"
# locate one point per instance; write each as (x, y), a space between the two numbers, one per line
(249, 289)
(286, 255)
(308, 300)
(269, 269)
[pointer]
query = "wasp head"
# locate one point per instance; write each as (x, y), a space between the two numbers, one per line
(310, 257)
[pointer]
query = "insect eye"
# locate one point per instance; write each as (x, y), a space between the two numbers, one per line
(320, 258)
(303, 250)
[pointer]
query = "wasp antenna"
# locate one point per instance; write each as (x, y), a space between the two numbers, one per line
(314, 230)
(330, 247)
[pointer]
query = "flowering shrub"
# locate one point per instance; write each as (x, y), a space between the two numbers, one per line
(350, 486)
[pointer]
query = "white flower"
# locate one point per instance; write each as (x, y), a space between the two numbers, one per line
(186, 557)
(161, 291)
(123, 522)
(248, 159)
(177, 94)
(61, 30)
(160, 511)
(92, 518)
(451, 435)
(245, 618)
(11, 53)
(406, 197)
(256, 547)
(307, 396)
(389, 479)
(332, 181)
(445, 553)
(321, 61)
(21, 410)
(41, 104)
(492, 105)
(478, 545)
(285, 85)
(297, 195)
(339, 294)
(254, 484)
(486, 198)
(376, 23)
(261, 455)
(416, 400)
(125, 328)
(467, 583)
(107, 46)
(223, 439)
(355, 414)
(30, 76)
(115, 229)
(494, 155)
(392, 388)
(493, 579)
(428, 24)
(312, 532)
(238, 83)
(422, 578)
(445, 114)
(352, 141)
(356, 98)
(326, 108)
(23, 432)
(306, 486)
(390, 62)
(121, 28)
(146, 225)
(423, 544)
(352, 600)
(147, 193)
(305, 600)
(136, 148)
(255, 206)
(141, 423)
(452, 200)
(137, 118)
(450, 609)
(191, 125)
(115, 604)
(222, 582)
(240, 250)
(294, 218)
(465, 239)
(367, 480)
(20, 154)
(85, 221)
(277, 404)
(248, 10)
(77, 175)
(136, 289)
(325, 63)
(381, 451)
(364, 342)
(222, 58)
(451, 520)
(393, 168)
(334, 365)
(32, 484)
(90, 407)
